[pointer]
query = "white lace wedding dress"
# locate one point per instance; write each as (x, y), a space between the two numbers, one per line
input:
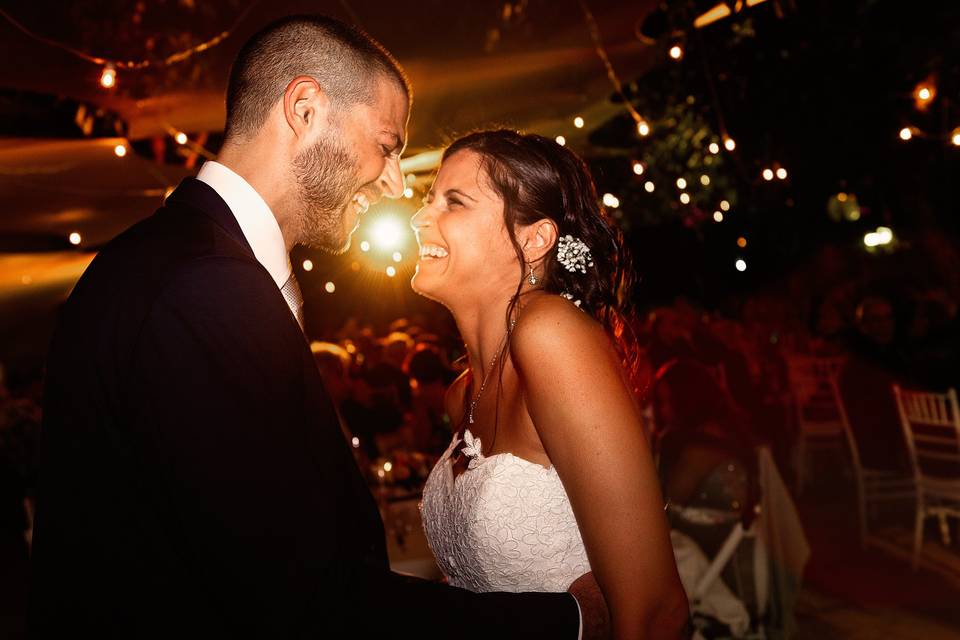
(503, 524)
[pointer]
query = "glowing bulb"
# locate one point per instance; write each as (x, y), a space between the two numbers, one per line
(611, 200)
(741, 265)
(578, 122)
(871, 239)
(364, 246)
(676, 52)
(768, 174)
(308, 265)
(705, 180)
(717, 216)
(408, 192)
(924, 94)
(681, 183)
(108, 77)
(181, 137)
(724, 205)
(120, 150)
(906, 133)
(741, 242)
(391, 271)
(397, 256)
(782, 173)
(561, 140)
(714, 148)
(649, 186)
(884, 235)
(381, 473)
(638, 167)
(75, 238)
(729, 143)
(685, 198)
(355, 441)
(643, 128)
(330, 287)
(955, 138)
(388, 466)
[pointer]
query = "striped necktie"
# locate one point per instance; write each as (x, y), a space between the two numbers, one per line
(293, 296)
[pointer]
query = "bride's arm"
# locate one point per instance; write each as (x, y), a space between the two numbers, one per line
(589, 424)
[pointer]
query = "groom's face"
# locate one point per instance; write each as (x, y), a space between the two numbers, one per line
(351, 166)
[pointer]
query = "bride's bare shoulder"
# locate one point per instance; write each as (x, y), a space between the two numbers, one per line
(552, 324)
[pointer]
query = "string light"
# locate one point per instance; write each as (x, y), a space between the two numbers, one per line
(768, 174)
(741, 242)
(782, 173)
(705, 180)
(906, 133)
(681, 183)
(120, 150)
(955, 137)
(638, 168)
(181, 137)
(75, 238)
(610, 200)
(108, 77)
(388, 466)
(676, 52)
(308, 265)
(643, 128)
(649, 186)
(923, 95)
(717, 216)
(578, 122)
(355, 441)
(729, 143)
(714, 148)
(330, 288)
(561, 141)
(741, 265)
(725, 205)
(685, 198)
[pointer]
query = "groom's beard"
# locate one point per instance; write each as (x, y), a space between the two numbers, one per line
(326, 181)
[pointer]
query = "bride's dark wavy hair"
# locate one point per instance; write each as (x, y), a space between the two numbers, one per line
(537, 178)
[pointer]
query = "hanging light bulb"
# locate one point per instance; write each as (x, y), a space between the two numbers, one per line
(108, 77)
(729, 143)
(714, 148)
(768, 174)
(681, 183)
(643, 128)
(685, 198)
(955, 137)
(906, 133)
(717, 216)
(181, 137)
(782, 173)
(578, 122)
(120, 150)
(561, 141)
(676, 52)
(638, 168)
(649, 186)
(705, 180)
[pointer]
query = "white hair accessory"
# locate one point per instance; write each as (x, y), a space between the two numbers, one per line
(574, 254)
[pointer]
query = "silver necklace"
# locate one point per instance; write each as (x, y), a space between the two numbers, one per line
(483, 384)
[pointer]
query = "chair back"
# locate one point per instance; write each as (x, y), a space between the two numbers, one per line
(847, 430)
(815, 404)
(931, 428)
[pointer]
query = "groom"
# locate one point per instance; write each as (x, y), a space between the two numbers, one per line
(195, 481)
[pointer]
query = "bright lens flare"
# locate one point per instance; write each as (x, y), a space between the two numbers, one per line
(120, 150)
(643, 128)
(391, 271)
(386, 233)
(906, 133)
(181, 137)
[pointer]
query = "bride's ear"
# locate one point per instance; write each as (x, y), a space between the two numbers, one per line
(538, 239)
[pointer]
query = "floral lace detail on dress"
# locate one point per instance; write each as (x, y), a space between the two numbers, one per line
(504, 524)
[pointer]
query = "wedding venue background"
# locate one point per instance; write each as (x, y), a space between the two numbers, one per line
(783, 172)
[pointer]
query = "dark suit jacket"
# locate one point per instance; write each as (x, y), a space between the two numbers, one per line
(194, 478)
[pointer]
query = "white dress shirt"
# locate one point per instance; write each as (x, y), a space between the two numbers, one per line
(256, 221)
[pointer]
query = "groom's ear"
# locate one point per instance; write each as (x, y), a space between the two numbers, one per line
(305, 106)
(538, 239)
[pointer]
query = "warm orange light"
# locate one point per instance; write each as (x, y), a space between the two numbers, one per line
(108, 77)
(643, 128)
(676, 52)
(741, 242)
(768, 174)
(729, 143)
(906, 133)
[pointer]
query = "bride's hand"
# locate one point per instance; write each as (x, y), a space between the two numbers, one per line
(593, 607)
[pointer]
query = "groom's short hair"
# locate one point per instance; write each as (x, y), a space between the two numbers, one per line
(346, 63)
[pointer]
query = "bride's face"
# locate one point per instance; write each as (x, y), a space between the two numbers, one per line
(466, 256)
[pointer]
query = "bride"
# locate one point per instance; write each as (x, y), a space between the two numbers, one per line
(549, 475)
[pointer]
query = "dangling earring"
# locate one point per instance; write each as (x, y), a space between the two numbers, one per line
(532, 277)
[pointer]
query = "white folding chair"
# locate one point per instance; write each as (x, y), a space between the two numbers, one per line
(874, 486)
(931, 427)
(819, 426)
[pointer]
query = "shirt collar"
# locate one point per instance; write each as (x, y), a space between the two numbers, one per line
(256, 220)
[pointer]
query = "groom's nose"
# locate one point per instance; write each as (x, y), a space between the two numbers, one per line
(391, 180)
